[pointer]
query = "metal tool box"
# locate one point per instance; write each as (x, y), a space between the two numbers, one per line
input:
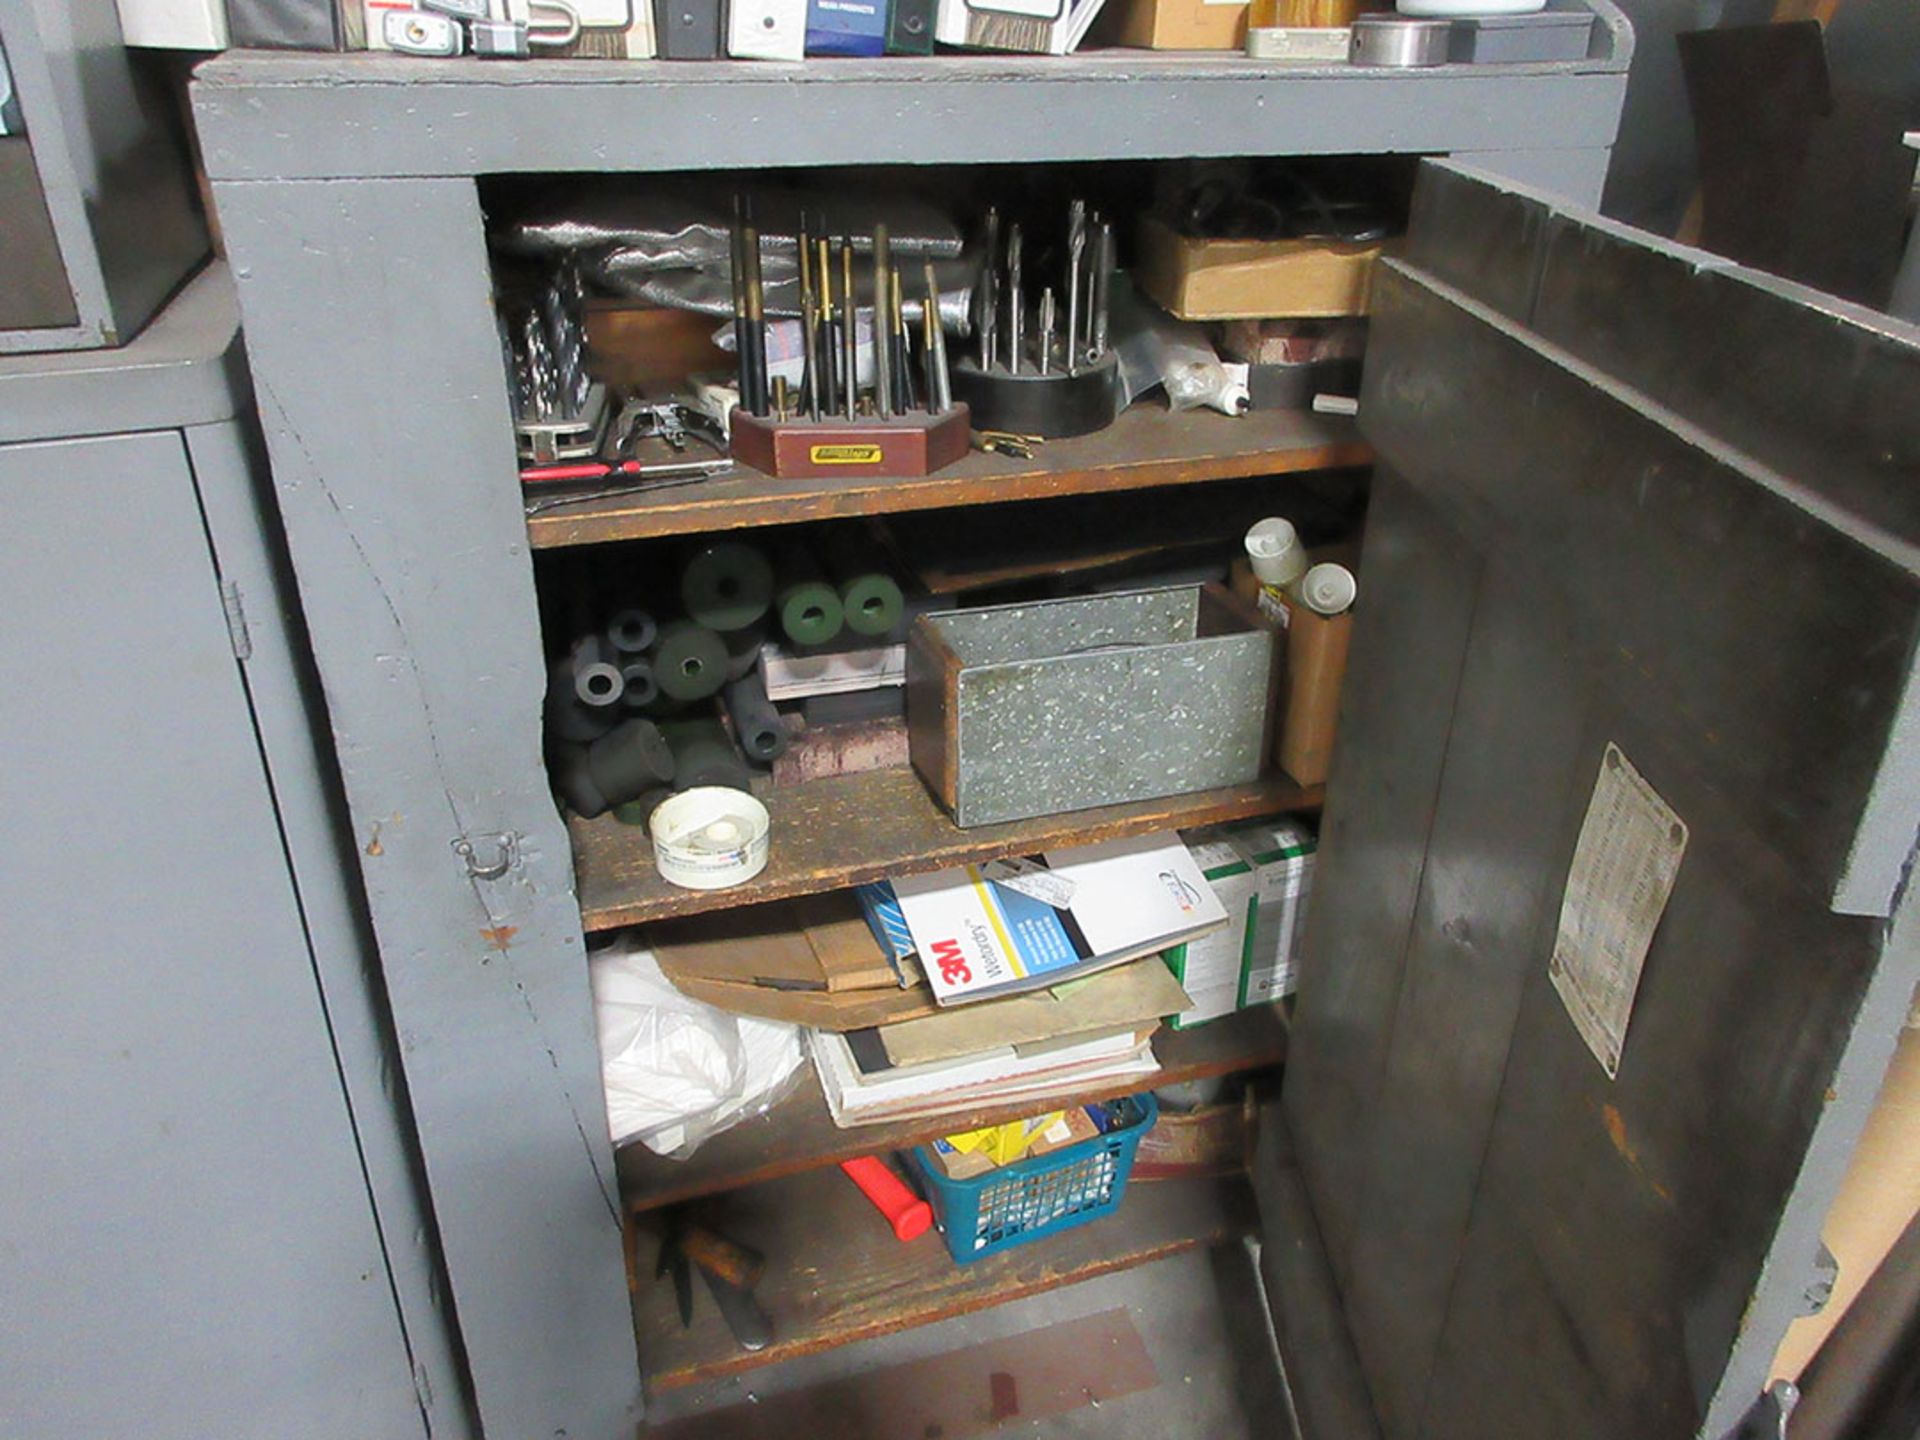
(1022, 710)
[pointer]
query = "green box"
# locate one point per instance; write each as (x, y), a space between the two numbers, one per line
(1212, 969)
(1281, 854)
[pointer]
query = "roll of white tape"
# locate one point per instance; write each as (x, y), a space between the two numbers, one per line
(709, 838)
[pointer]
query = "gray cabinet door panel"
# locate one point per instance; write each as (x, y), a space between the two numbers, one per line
(1530, 1247)
(187, 1244)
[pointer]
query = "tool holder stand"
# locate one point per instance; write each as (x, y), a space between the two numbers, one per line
(905, 446)
(1054, 406)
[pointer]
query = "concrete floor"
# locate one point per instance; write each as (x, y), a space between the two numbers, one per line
(1203, 1365)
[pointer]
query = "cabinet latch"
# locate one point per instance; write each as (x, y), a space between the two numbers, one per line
(505, 850)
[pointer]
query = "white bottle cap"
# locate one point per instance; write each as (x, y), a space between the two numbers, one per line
(1275, 551)
(1328, 589)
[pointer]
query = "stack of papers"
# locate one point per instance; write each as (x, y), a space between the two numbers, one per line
(1029, 981)
(859, 1094)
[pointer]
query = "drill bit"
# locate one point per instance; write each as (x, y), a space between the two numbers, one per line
(1076, 253)
(827, 352)
(809, 370)
(904, 398)
(1046, 331)
(987, 303)
(939, 382)
(1102, 290)
(756, 322)
(849, 331)
(882, 326)
(1013, 299)
(743, 363)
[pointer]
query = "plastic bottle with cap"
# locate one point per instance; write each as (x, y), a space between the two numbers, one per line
(1278, 559)
(1327, 589)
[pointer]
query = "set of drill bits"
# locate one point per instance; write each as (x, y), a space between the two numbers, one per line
(558, 410)
(1043, 364)
(894, 414)
(1027, 328)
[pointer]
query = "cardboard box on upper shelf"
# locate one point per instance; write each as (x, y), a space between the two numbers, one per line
(1175, 24)
(1199, 278)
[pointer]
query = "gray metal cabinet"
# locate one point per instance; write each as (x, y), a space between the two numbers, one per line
(99, 222)
(206, 1228)
(364, 279)
(1598, 520)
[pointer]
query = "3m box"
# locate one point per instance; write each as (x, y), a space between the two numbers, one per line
(1281, 853)
(1211, 969)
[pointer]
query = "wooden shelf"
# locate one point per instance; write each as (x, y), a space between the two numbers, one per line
(1147, 446)
(835, 1274)
(799, 1135)
(829, 834)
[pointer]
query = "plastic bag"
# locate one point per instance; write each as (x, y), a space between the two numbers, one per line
(1156, 349)
(677, 1070)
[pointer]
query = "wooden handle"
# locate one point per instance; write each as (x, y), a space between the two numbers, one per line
(721, 1257)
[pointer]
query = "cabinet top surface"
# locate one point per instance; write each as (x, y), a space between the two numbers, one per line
(287, 116)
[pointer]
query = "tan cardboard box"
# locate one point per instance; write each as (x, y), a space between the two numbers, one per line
(1178, 24)
(1253, 279)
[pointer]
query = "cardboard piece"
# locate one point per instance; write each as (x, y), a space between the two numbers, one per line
(1208, 279)
(1178, 24)
(848, 955)
(811, 961)
(848, 1010)
(1137, 993)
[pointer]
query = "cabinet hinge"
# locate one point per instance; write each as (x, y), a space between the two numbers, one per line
(236, 620)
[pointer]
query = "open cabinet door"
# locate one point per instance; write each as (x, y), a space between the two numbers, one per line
(1639, 604)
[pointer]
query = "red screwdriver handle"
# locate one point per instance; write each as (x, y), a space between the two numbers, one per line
(906, 1212)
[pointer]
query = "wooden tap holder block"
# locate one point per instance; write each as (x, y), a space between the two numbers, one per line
(903, 447)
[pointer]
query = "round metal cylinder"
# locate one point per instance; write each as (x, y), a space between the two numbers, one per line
(1398, 42)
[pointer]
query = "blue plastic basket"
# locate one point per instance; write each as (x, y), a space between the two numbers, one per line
(1032, 1198)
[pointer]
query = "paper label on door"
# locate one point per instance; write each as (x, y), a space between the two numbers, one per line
(1623, 871)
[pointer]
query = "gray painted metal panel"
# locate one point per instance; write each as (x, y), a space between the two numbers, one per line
(229, 471)
(1475, 934)
(190, 1250)
(1633, 1249)
(448, 117)
(117, 186)
(184, 369)
(1396, 713)
(393, 461)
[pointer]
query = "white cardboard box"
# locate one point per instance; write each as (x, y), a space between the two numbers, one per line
(1210, 969)
(1281, 853)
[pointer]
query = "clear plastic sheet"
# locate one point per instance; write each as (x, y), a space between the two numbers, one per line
(670, 243)
(679, 1071)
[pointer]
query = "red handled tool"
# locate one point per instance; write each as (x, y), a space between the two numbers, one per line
(906, 1212)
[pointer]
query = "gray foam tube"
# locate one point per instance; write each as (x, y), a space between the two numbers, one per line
(621, 765)
(567, 719)
(641, 690)
(756, 723)
(691, 661)
(727, 585)
(596, 673)
(743, 650)
(704, 755)
(632, 631)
